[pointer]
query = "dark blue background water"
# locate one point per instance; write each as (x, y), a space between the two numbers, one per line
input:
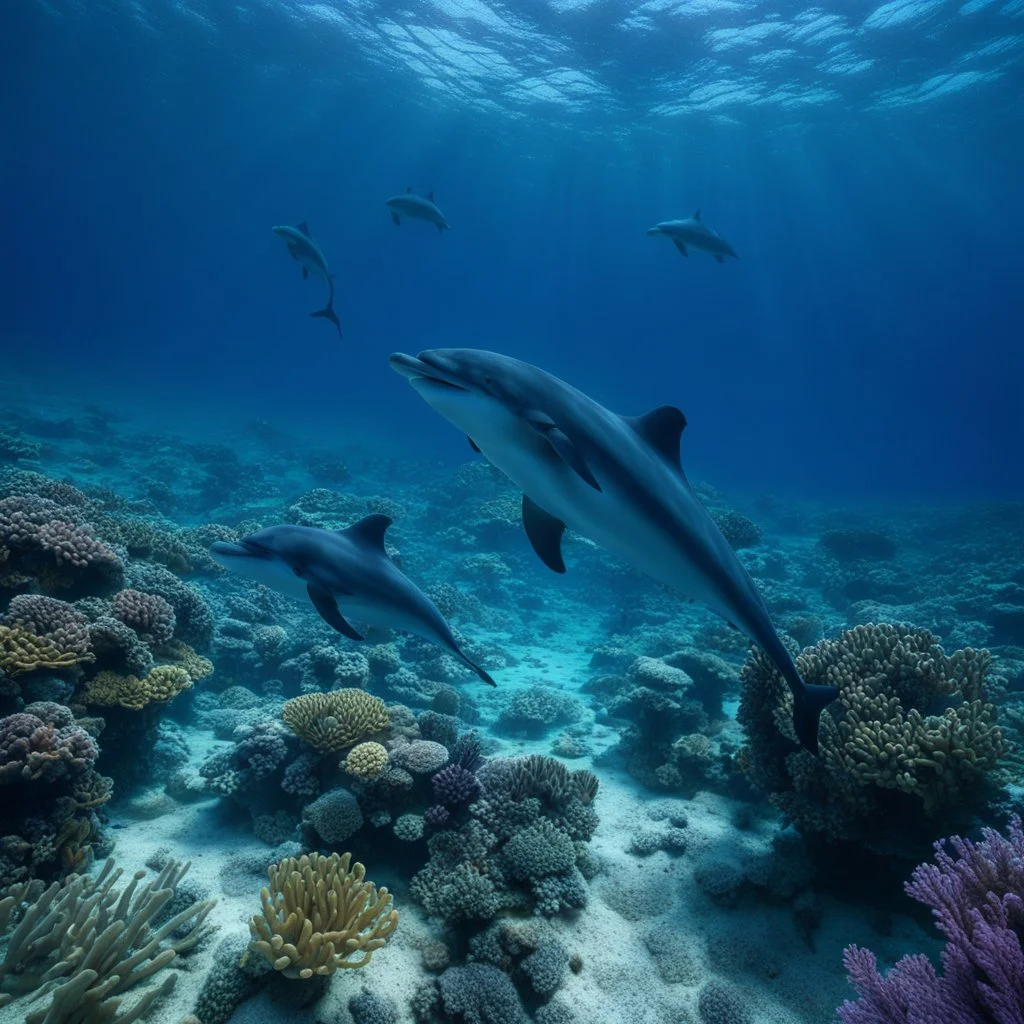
(867, 345)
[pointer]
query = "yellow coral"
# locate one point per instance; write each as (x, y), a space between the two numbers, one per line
(366, 760)
(333, 721)
(23, 651)
(163, 683)
(194, 664)
(317, 913)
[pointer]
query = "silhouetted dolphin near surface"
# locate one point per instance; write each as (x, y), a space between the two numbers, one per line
(421, 207)
(308, 254)
(615, 479)
(691, 234)
(344, 573)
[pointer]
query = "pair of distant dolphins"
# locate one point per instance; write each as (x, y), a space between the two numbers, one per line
(615, 479)
(685, 234)
(304, 249)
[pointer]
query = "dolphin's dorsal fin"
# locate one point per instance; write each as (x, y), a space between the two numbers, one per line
(662, 429)
(430, 195)
(696, 216)
(304, 228)
(369, 530)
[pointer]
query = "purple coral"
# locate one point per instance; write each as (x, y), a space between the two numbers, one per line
(58, 621)
(32, 749)
(436, 816)
(977, 899)
(454, 785)
(150, 615)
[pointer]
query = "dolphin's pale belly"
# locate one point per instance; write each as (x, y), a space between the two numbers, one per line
(609, 519)
(388, 617)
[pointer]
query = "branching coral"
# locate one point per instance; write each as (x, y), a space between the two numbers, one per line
(977, 899)
(318, 914)
(150, 615)
(330, 722)
(22, 651)
(888, 730)
(366, 760)
(84, 943)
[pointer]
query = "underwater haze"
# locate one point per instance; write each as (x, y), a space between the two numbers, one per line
(346, 681)
(861, 158)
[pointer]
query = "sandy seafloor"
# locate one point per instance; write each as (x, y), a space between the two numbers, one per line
(649, 937)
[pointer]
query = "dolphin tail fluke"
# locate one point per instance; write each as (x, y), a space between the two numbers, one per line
(328, 311)
(807, 709)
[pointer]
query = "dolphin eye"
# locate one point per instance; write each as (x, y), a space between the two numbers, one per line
(296, 570)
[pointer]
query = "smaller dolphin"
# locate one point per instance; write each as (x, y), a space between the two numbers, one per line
(344, 573)
(691, 234)
(421, 207)
(308, 254)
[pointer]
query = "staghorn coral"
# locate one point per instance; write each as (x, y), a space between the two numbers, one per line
(366, 760)
(83, 943)
(318, 914)
(330, 722)
(888, 730)
(150, 615)
(162, 684)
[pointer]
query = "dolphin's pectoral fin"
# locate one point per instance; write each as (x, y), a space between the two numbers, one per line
(721, 259)
(662, 429)
(680, 246)
(327, 608)
(545, 533)
(395, 219)
(472, 444)
(696, 216)
(430, 196)
(305, 273)
(563, 447)
(370, 531)
(440, 227)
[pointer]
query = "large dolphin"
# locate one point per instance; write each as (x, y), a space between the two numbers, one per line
(305, 250)
(615, 479)
(345, 573)
(421, 207)
(691, 234)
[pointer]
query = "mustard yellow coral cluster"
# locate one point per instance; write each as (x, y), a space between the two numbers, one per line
(366, 760)
(330, 722)
(320, 915)
(194, 664)
(161, 684)
(23, 651)
(888, 729)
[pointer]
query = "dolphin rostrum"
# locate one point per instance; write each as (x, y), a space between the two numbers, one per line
(691, 234)
(344, 573)
(422, 207)
(308, 254)
(615, 479)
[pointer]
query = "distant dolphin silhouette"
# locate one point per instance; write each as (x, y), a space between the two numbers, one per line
(343, 573)
(421, 207)
(691, 234)
(305, 251)
(615, 479)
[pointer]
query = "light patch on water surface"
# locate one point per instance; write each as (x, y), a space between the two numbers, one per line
(842, 60)
(721, 39)
(901, 12)
(936, 87)
(973, 6)
(993, 49)
(818, 27)
(772, 58)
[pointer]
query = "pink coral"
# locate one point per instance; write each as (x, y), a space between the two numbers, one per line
(58, 621)
(150, 615)
(30, 749)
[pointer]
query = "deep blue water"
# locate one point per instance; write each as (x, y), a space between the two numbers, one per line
(862, 158)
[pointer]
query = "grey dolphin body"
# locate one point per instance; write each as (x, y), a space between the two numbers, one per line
(421, 207)
(692, 234)
(344, 573)
(615, 479)
(305, 250)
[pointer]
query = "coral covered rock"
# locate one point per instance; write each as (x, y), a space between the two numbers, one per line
(331, 722)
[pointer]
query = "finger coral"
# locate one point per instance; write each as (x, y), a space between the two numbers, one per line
(163, 683)
(909, 719)
(150, 615)
(366, 760)
(85, 942)
(330, 722)
(320, 915)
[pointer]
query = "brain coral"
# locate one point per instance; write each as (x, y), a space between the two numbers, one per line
(150, 615)
(910, 720)
(366, 760)
(330, 722)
